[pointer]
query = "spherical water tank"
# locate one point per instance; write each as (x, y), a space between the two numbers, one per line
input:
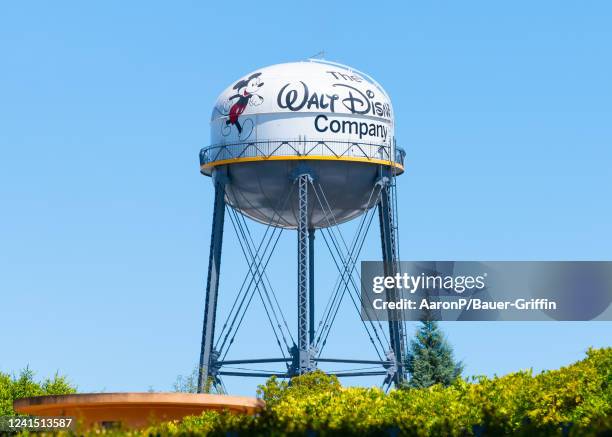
(322, 118)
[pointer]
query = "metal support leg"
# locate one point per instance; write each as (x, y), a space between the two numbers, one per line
(212, 285)
(311, 311)
(389, 251)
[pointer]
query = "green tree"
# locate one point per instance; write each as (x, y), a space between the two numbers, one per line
(430, 359)
(187, 384)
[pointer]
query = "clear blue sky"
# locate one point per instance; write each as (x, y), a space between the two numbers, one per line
(504, 109)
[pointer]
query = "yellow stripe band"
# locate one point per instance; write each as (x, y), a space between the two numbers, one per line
(212, 164)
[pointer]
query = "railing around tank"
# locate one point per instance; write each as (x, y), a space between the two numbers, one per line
(300, 148)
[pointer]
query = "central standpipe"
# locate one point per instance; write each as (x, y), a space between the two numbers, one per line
(303, 357)
(303, 262)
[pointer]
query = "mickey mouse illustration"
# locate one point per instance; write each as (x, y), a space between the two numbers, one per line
(246, 89)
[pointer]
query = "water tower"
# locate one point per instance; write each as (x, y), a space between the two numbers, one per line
(302, 146)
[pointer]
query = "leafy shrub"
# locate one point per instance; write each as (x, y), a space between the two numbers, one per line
(572, 401)
(14, 387)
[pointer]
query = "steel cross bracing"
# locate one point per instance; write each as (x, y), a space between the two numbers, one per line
(346, 281)
(257, 263)
(395, 354)
(209, 369)
(264, 288)
(305, 355)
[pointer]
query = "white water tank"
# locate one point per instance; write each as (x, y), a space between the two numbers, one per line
(324, 117)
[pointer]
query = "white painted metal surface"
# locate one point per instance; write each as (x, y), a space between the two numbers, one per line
(303, 101)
